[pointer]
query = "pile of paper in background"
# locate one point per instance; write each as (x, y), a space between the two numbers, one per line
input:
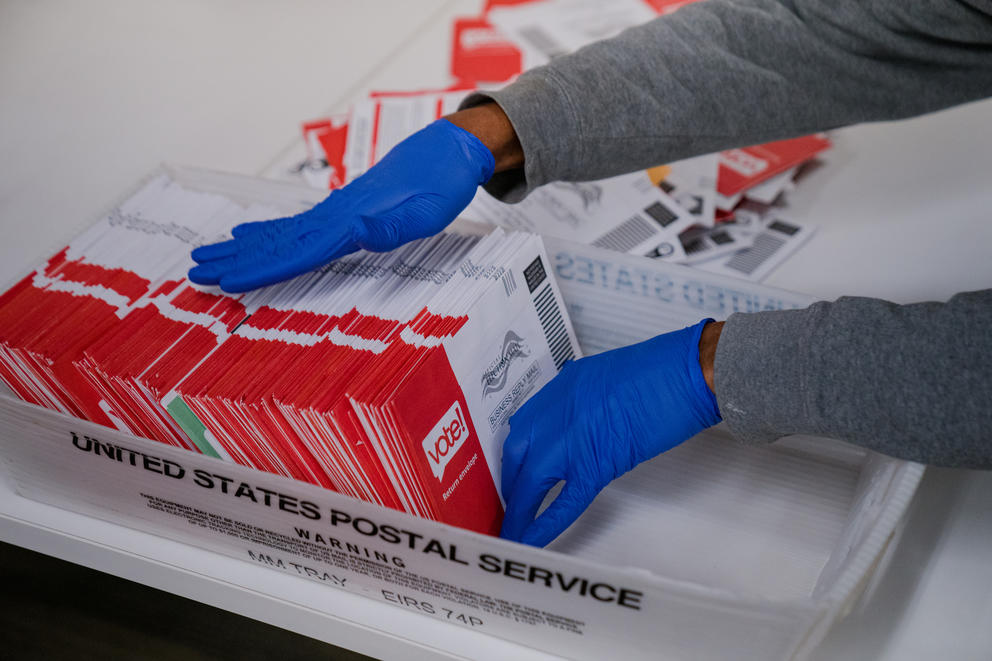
(723, 212)
(389, 377)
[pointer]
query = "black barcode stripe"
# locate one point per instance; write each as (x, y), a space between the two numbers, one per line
(627, 235)
(542, 302)
(559, 330)
(509, 283)
(544, 305)
(561, 349)
(556, 339)
(694, 246)
(562, 352)
(783, 227)
(553, 325)
(749, 259)
(661, 214)
(559, 340)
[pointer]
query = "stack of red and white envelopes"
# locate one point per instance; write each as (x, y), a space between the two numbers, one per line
(387, 376)
(391, 377)
(104, 284)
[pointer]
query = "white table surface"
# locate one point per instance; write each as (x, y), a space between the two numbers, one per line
(97, 94)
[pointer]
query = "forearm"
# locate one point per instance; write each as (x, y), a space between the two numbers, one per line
(718, 74)
(708, 342)
(911, 381)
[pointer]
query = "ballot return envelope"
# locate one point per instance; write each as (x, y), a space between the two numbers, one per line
(713, 550)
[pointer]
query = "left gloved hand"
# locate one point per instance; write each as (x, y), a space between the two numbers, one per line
(596, 420)
(415, 191)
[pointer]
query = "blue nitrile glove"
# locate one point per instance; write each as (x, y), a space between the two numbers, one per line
(597, 419)
(415, 191)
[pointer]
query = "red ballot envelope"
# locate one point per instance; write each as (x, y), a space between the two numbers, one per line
(136, 364)
(326, 140)
(479, 53)
(743, 168)
(49, 318)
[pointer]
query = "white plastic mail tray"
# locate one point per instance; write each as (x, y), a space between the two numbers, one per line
(713, 550)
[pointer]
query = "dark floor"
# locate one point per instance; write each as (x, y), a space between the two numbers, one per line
(53, 609)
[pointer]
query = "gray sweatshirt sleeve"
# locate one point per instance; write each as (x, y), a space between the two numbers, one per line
(912, 381)
(718, 74)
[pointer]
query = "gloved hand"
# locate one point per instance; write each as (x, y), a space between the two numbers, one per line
(597, 419)
(415, 191)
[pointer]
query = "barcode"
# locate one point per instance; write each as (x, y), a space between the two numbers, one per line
(542, 41)
(661, 214)
(694, 245)
(554, 326)
(535, 274)
(509, 283)
(783, 227)
(721, 238)
(627, 235)
(746, 261)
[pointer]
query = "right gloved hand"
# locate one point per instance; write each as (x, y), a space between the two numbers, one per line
(415, 191)
(596, 420)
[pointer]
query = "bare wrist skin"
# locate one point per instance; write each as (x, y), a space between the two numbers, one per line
(492, 127)
(708, 340)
